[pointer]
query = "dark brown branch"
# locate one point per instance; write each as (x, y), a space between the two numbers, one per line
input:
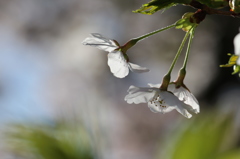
(210, 11)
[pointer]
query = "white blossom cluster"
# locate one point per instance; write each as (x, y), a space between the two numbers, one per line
(159, 101)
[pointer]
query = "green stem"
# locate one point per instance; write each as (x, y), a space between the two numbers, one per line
(182, 71)
(188, 49)
(133, 41)
(178, 53)
(167, 77)
(153, 32)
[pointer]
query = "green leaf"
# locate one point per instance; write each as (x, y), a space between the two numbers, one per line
(156, 5)
(232, 61)
(61, 141)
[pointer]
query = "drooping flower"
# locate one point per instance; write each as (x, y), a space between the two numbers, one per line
(117, 58)
(159, 101)
(184, 95)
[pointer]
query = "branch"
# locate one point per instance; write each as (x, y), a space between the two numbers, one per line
(211, 11)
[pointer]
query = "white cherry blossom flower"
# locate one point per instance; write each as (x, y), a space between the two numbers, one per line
(183, 95)
(158, 101)
(117, 60)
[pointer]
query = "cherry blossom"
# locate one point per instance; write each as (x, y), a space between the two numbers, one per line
(117, 59)
(159, 101)
(184, 95)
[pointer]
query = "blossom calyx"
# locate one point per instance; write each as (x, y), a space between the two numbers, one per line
(181, 76)
(128, 45)
(165, 82)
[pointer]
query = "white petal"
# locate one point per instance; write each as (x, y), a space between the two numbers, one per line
(237, 44)
(153, 108)
(102, 43)
(140, 95)
(154, 85)
(172, 101)
(183, 111)
(136, 68)
(118, 64)
(187, 97)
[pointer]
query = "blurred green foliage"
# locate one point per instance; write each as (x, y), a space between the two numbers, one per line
(61, 141)
(209, 136)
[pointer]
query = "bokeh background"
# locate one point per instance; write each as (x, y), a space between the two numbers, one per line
(49, 79)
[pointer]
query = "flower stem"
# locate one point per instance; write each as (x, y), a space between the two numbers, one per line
(182, 71)
(188, 48)
(133, 41)
(178, 53)
(153, 32)
(167, 77)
